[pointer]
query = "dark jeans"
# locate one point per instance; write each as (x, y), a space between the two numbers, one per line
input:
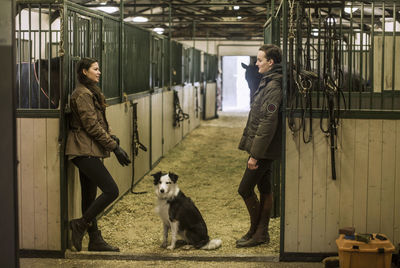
(93, 174)
(262, 177)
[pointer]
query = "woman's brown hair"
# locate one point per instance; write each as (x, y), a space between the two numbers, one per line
(86, 63)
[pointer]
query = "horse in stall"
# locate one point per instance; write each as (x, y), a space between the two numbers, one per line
(32, 94)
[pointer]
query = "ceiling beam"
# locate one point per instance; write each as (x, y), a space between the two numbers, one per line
(191, 15)
(263, 4)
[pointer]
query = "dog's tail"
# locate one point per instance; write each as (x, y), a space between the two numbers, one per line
(212, 244)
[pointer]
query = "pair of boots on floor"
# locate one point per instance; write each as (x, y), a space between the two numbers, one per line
(96, 241)
(259, 212)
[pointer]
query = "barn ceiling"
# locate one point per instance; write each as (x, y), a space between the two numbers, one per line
(213, 19)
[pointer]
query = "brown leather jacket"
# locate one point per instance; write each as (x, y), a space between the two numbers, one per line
(89, 133)
(262, 137)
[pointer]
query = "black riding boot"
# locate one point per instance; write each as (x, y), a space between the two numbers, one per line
(261, 234)
(253, 207)
(97, 243)
(79, 228)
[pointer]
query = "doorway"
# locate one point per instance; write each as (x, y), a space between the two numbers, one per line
(235, 91)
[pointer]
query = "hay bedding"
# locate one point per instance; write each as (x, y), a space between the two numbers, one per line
(210, 167)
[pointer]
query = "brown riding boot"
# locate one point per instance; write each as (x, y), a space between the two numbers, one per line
(253, 207)
(79, 228)
(97, 243)
(261, 234)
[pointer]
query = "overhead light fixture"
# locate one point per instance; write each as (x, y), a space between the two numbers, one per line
(315, 32)
(350, 10)
(159, 30)
(236, 7)
(108, 10)
(239, 17)
(140, 19)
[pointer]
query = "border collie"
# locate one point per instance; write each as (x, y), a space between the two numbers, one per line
(180, 214)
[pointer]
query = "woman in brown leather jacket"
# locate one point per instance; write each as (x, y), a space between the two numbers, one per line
(89, 140)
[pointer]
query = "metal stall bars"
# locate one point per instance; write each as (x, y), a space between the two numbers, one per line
(38, 40)
(136, 50)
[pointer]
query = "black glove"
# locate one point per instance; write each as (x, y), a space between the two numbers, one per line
(115, 138)
(122, 156)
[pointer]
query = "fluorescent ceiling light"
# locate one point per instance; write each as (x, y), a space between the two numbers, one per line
(158, 30)
(140, 19)
(315, 32)
(108, 9)
(236, 7)
(350, 10)
(239, 17)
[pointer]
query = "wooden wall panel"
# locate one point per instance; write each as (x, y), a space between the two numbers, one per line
(74, 192)
(319, 181)
(396, 207)
(332, 197)
(374, 175)
(186, 104)
(196, 108)
(26, 163)
(142, 160)
(19, 177)
(361, 175)
(53, 185)
(346, 206)
(365, 194)
(291, 191)
(39, 174)
(119, 118)
(156, 127)
(172, 135)
(168, 117)
(211, 93)
(39, 183)
(305, 196)
(388, 177)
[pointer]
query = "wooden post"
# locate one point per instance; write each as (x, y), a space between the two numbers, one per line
(8, 182)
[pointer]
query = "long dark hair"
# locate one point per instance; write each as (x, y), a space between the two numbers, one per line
(86, 63)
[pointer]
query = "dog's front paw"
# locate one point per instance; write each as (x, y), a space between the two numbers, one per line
(171, 247)
(163, 245)
(187, 247)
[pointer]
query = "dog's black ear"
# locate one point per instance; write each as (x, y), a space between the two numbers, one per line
(157, 177)
(173, 177)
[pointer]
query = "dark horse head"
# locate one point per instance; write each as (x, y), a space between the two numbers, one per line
(38, 84)
(253, 78)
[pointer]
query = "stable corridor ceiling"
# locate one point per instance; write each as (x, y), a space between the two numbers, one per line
(201, 19)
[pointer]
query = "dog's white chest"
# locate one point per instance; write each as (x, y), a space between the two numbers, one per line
(163, 210)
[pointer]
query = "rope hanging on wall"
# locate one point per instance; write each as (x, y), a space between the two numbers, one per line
(179, 115)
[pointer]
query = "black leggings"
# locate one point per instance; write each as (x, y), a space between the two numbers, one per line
(93, 174)
(262, 177)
